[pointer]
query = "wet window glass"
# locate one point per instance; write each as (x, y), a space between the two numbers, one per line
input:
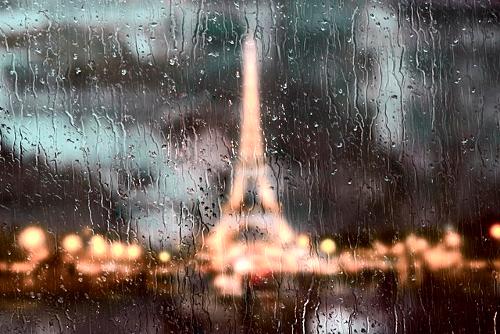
(274, 166)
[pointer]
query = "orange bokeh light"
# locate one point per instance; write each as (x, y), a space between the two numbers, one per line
(164, 256)
(134, 251)
(98, 246)
(328, 246)
(452, 239)
(32, 238)
(117, 250)
(495, 231)
(303, 241)
(72, 243)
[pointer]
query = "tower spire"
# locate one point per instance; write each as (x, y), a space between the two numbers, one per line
(251, 143)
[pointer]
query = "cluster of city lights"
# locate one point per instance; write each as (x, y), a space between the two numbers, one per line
(234, 260)
(91, 255)
(285, 255)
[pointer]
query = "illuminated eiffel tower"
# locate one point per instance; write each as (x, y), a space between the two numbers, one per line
(251, 167)
(261, 221)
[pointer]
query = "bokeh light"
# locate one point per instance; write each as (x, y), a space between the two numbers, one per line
(72, 243)
(303, 241)
(117, 250)
(328, 246)
(164, 256)
(452, 239)
(134, 251)
(32, 238)
(495, 231)
(98, 246)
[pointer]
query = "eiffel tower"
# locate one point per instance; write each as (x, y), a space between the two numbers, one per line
(252, 214)
(252, 165)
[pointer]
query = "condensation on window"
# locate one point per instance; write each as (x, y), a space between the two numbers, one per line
(297, 166)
